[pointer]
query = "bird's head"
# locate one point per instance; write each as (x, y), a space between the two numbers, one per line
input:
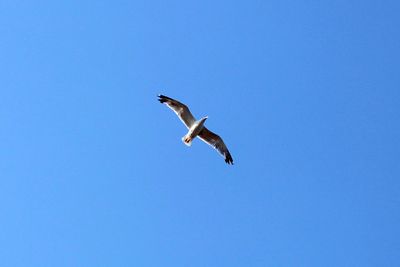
(202, 120)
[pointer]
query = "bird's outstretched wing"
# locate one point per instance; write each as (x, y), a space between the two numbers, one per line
(180, 109)
(216, 142)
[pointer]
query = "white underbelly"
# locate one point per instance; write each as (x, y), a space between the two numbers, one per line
(195, 130)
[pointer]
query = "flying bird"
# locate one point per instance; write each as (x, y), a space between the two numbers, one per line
(196, 128)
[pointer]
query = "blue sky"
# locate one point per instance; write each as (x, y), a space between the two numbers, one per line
(304, 93)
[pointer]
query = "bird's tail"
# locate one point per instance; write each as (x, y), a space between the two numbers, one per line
(187, 140)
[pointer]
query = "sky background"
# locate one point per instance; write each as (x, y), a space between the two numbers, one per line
(304, 93)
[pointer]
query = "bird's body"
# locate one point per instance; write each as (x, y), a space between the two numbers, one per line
(194, 131)
(196, 128)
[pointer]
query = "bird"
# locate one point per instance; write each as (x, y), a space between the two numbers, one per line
(196, 128)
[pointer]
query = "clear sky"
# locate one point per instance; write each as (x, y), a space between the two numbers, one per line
(304, 93)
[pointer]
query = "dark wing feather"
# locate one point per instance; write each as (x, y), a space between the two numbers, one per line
(216, 142)
(180, 109)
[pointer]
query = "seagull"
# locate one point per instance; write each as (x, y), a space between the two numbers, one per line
(196, 128)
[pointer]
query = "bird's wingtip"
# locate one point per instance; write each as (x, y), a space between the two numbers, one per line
(229, 160)
(162, 98)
